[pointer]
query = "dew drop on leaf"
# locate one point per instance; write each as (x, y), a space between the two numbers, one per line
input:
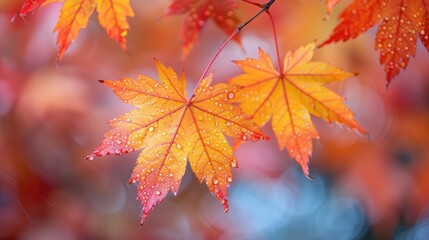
(233, 164)
(231, 95)
(159, 134)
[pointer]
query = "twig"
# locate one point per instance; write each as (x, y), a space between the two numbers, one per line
(264, 8)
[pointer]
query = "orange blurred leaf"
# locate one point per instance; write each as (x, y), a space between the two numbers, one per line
(74, 15)
(402, 22)
(112, 15)
(172, 130)
(290, 96)
(199, 11)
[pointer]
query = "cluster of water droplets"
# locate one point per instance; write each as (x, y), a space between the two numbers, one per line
(155, 181)
(198, 16)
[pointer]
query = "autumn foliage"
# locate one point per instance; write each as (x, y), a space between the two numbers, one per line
(74, 16)
(289, 96)
(199, 12)
(402, 22)
(172, 128)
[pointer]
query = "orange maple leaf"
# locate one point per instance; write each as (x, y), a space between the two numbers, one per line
(74, 15)
(172, 130)
(290, 96)
(199, 11)
(402, 22)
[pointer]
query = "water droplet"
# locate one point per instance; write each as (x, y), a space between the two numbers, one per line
(151, 129)
(124, 33)
(233, 164)
(229, 179)
(157, 193)
(244, 138)
(200, 117)
(119, 142)
(215, 181)
(178, 146)
(90, 157)
(231, 95)
(225, 208)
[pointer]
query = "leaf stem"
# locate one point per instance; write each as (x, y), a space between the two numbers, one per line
(264, 8)
(253, 3)
(276, 41)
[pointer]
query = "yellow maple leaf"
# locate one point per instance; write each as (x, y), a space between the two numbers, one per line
(288, 97)
(171, 130)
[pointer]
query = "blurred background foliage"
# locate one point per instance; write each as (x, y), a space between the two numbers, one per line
(53, 114)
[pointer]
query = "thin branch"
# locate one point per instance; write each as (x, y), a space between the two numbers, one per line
(276, 43)
(253, 3)
(264, 8)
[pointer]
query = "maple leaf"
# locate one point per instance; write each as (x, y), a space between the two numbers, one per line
(74, 16)
(171, 130)
(199, 11)
(112, 15)
(402, 22)
(29, 6)
(288, 97)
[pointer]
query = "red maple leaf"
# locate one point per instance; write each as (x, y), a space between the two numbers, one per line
(199, 12)
(28, 7)
(402, 23)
